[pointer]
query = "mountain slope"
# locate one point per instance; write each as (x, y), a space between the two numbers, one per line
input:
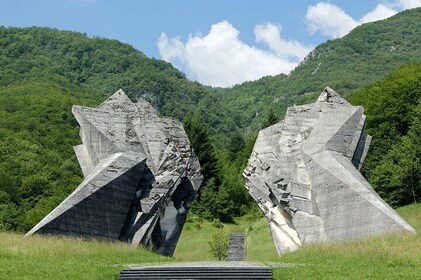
(95, 65)
(37, 165)
(363, 56)
(101, 66)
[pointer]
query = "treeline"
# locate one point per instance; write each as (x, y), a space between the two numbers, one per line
(223, 195)
(38, 168)
(101, 66)
(393, 108)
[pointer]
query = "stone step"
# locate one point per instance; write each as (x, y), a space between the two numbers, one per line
(236, 247)
(198, 272)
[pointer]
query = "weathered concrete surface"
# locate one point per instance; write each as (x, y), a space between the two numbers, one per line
(141, 176)
(304, 175)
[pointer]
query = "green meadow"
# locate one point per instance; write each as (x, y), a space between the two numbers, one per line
(379, 257)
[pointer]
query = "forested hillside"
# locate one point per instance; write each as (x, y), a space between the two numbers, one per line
(38, 168)
(365, 55)
(100, 66)
(94, 65)
(393, 108)
(44, 71)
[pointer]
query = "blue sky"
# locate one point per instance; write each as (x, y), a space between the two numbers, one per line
(218, 42)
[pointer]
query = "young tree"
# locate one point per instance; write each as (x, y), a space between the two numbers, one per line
(218, 244)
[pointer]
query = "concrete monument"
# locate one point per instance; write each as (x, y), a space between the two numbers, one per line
(304, 175)
(141, 176)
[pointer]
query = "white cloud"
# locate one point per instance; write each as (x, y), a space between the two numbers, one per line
(287, 49)
(329, 19)
(332, 21)
(379, 13)
(409, 4)
(220, 58)
(170, 48)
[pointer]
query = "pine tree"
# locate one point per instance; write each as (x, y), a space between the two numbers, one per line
(200, 140)
(271, 119)
(236, 145)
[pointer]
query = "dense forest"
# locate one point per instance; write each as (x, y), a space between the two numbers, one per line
(43, 72)
(37, 166)
(393, 108)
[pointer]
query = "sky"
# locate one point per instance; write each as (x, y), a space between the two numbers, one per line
(216, 42)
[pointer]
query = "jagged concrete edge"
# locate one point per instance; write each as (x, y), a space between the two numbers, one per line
(65, 206)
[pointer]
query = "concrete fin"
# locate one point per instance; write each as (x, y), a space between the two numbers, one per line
(156, 150)
(147, 229)
(357, 136)
(382, 219)
(114, 128)
(116, 186)
(143, 224)
(146, 109)
(361, 150)
(84, 159)
(342, 140)
(96, 142)
(116, 99)
(330, 96)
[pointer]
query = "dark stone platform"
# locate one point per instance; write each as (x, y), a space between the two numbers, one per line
(221, 270)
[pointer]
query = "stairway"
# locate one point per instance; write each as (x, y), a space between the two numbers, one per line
(198, 272)
(236, 247)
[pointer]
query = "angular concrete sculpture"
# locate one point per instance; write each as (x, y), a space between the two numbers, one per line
(141, 176)
(304, 175)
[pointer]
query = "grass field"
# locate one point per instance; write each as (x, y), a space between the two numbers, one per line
(380, 257)
(39, 257)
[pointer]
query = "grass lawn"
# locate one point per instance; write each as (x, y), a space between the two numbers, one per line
(380, 257)
(390, 257)
(395, 256)
(193, 243)
(40, 257)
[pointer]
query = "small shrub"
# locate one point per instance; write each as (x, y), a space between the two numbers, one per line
(218, 244)
(217, 224)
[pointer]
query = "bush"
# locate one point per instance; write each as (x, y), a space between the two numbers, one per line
(218, 244)
(217, 223)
